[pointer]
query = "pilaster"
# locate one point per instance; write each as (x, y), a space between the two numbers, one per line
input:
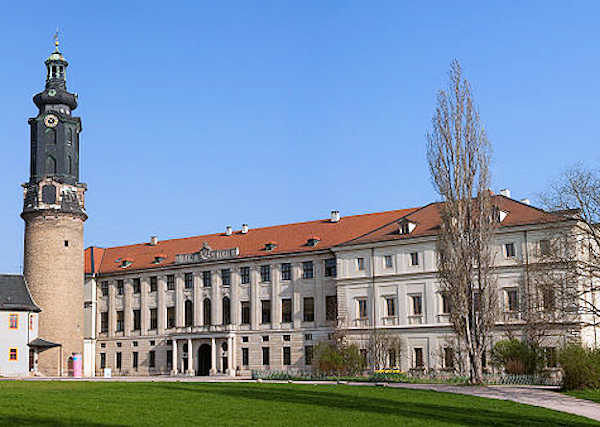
(275, 296)
(179, 301)
(162, 308)
(144, 310)
(127, 310)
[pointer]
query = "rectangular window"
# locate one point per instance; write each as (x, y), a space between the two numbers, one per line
(287, 337)
(265, 356)
(308, 270)
(448, 357)
(226, 277)
(548, 299)
(331, 307)
(388, 261)
(119, 287)
(134, 363)
(102, 360)
(286, 310)
(104, 322)
(153, 283)
(390, 304)
(245, 339)
(245, 275)
(309, 309)
(414, 258)
(307, 337)
(137, 320)
(308, 355)
(287, 356)
(245, 312)
(265, 338)
(151, 359)
(362, 308)
(550, 357)
(169, 359)
(31, 322)
(417, 305)
(509, 249)
(512, 299)
(136, 285)
(170, 317)
(245, 356)
(206, 279)
(445, 303)
(13, 321)
(266, 311)
(170, 282)
(330, 267)
(360, 263)
(104, 288)
(153, 318)
(476, 301)
(13, 354)
(286, 271)
(189, 280)
(118, 357)
(418, 358)
(265, 273)
(120, 321)
(544, 247)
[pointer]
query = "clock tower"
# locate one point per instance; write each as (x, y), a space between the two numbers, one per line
(54, 213)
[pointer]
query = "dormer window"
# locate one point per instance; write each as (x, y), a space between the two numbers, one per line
(269, 246)
(499, 214)
(159, 258)
(406, 227)
(125, 262)
(118, 260)
(313, 241)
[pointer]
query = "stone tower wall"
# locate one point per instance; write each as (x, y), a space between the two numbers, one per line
(54, 274)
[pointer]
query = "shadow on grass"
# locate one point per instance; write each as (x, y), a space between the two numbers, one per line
(441, 411)
(33, 420)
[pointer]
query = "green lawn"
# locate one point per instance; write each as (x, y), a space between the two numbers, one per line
(161, 403)
(588, 394)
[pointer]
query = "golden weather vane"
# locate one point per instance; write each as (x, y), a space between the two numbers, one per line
(55, 37)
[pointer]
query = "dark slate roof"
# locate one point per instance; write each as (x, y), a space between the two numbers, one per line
(14, 294)
(42, 343)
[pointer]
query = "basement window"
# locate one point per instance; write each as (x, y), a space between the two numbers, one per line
(66, 243)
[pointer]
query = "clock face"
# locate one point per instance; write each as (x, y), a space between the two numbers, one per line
(52, 92)
(51, 121)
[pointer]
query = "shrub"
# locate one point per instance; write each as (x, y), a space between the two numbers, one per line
(517, 357)
(581, 367)
(340, 359)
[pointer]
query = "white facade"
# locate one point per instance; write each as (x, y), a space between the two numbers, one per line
(17, 330)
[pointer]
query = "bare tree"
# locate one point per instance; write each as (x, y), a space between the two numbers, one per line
(458, 153)
(383, 346)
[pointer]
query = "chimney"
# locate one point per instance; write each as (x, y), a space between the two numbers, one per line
(153, 240)
(335, 216)
(505, 192)
(228, 230)
(244, 228)
(525, 201)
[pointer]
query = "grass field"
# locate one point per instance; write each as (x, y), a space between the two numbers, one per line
(588, 394)
(112, 403)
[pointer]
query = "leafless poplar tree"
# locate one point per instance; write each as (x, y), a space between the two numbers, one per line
(458, 153)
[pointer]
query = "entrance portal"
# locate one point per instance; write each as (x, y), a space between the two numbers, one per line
(204, 360)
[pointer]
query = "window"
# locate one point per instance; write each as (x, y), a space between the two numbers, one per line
(388, 261)
(390, 304)
(189, 312)
(136, 285)
(118, 357)
(331, 307)
(152, 342)
(286, 310)
(170, 282)
(445, 303)
(418, 358)
(360, 263)
(330, 267)
(104, 288)
(512, 300)
(104, 322)
(265, 273)
(308, 355)
(266, 311)
(151, 359)
(404, 228)
(13, 354)
(245, 275)
(362, 308)
(417, 305)
(414, 258)
(476, 301)
(265, 356)
(135, 360)
(287, 355)
(119, 344)
(31, 317)
(544, 247)
(119, 287)
(226, 311)
(245, 356)
(206, 279)
(169, 359)
(309, 309)
(550, 357)
(448, 357)
(153, 318)
(509, 249)
(207, 311)
(307, 270)
(286, 271)
(548, 298)
(226, 277)
(170, 317)
(245, 339)
(120, 321)
(153, 283)
(66, 241)
(102, 360)
(137, 320)
(307, 337)
(135, 343)
(287, 337)
(189, 280)
(13, 321)
(245, 312)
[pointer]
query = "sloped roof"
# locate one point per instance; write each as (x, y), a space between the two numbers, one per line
(14, 294)
(290, 238)
(427, 220)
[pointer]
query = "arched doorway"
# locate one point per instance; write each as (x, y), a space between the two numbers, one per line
(204, 360)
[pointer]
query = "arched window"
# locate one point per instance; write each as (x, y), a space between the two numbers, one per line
(50, 165)
(207, 314)
(226, 311)
(70, 164)
(189, 313)
(69, 136)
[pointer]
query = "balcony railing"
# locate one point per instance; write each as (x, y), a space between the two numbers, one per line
(207, 328)
(390, 321)
(443, 318)
(511, 316)
(361, 323)
(415, 319)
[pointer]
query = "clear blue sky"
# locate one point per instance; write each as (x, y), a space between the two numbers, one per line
(197, 115)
